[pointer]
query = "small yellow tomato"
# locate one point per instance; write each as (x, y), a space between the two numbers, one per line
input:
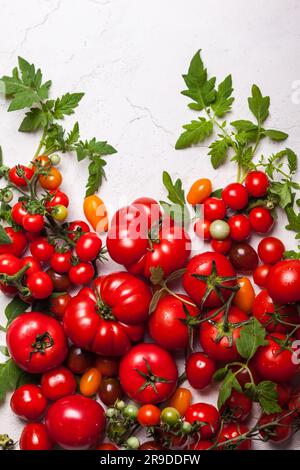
(90, 382)
(96, 213)
(181, 400)
(244, 298)
(199, 191)
(59, 212)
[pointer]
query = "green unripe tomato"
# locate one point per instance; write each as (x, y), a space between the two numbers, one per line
(133, 443)
(186, 427)
(7, 196)
(120, 404)
(219, 229)
(110, 412)
(59, 213)
(131, 411)
(170, 416)
(55, 159)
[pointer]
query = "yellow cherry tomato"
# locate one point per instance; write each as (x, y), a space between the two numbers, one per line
(244, 298)
(90, 382)
(181, 400)
(199, 191)
(52, 180)
(96, 213)
(59, 212)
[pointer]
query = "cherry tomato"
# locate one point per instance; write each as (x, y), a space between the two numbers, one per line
(107, 446)
(257, 183)
(61, 262)
(58, 304)
(108, 366)
(88, 247)
(61, 282)
(40, 285)
(41, 249)
(213, 209)
(235, 196)
(181, 400)
(201, 229)
(199, 191)
(222, 246)
(279, 432)
(244, 298)
(18, 242)
(90, 382)
(78, 360)
(283, 282)
(110, 391)
(58, 383)
(271, 315)
(10, 264)
(231, 431)
(59, 213)
(260, 275)
(18, 213)
(43, 161)
(148, 415)
(57, 198)
(237, 407)
(206, 414)
(34, 264)
(81, 273)
(270, 250)
(240, 227)
(35, 437)
(242, 374)
(33, 222)
(284, 392)
(76, 229)
(219, 230)
(28, 402)
(96, 213)
(75, 422)
(52, 180)
(19, 174)
(169, 416)
(243, 257)
(260, 219)
(200, 370)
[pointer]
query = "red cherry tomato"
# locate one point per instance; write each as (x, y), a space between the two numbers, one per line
(18, 173)
(279, 432)
(235, 196)
(58, 383)
(200, 370)
(28, 402)
(261, 220)
(61, 262)
(283, 282)
(206, 414)
(213, 209)
(284, 392)
(237, 407)
(77, 228)
(41, 249)
(33, 222)
(88, 246)
(201, 229)
(231, 431)
(270, 315)
(35, 437)
(10, 264)
(260, 275)
(18, 242)
(40, 285)
(57, 198)
(81, 273)
(148, 415)
(34, 264)
(257, 183)
(240, 227)
(58, 304)
(222, 246)
(270, 250)
(18, 213)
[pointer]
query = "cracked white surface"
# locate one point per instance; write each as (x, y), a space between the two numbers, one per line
(128, 56)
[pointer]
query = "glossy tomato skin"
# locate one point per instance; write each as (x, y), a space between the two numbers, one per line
(213, 209)
(231, 431)
(28, 402)
(283, 282)
(204, 413)
(41, 249)
(235, 196)
(237, 407)
(168, 316)
(110, 391)
(57, 198)
(52, 180)
(240, 228)
(162, 365)
(200, 370)
(260, 275)
(273, 363)
(90, 382)
(78, 360)
(33, 223)
(243, 257)
(199, 191)
(75, 422)
(58, 305)
(61, 282)
(181, 400)
(58, 383)
(77, 228)
(35, 437)
(277, 433)
(270, 250)
(18, 213)
(18, 242)
(201, 229)
(202, 264)
(61, 262)
(17, 179)
(261, 220)
(34, 264)
(244, 298)
(10, 264)
(88, 246)
(81, 273)
(222, 246)
(40, 285)
(268, 313)
(257, 183)
(22, 334)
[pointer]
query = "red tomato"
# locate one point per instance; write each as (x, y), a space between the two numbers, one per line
(57, 198)
(284, 392)
(284, 280)
(172, 314)
(58, 383)
(220, 343)
(260, 275)
(237, 407)
(204, 413)
(33, 223)
(58, 304)
(270, 250)
(36, 342)
(200, 370)
(201, 229)
(279, 432)
(274, 363)
(222, 246)
(18, 242)
(77, 228)
(34, 264)
(81, 274)
(28, 402)
(203, 265)
(75, 422)
(231, 431)
(213, 209)
(61, 262)
(148, 415)
(88, 246)
(41, 249)
(10, 264)
(18, 173)
(257, 183)
(35, 437)
(270, 315)
(78, 360)
(240, 227)
(18, 213)
(235, 196)
(148, 374)
(261, 220)
(243, 257)
(40, 285)
(294, 402)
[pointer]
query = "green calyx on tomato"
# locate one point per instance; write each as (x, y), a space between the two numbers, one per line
(104, 310)
(150, 378)
(41, 343)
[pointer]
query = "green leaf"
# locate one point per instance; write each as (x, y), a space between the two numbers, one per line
(229, 383)
(243, 125)
(10, 374)
(175, 190)
(258, 104)
(218, 152)
(275, 135)
(291, 254)
(294, 220)
(292, 160)
(252, 335)
(223, 102)
(35, 118)
(220, 374)
(4, 351)
(73, 135)
(196, 132)
(283, 191)
(217, 193)
(5, 213)
(157, 275)
(96, 175)
(15, 307)
(93, 148)
(267, 396)
(4, 238)
(66, 104)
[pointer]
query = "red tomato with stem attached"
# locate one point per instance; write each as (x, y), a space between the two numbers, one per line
(28, 402)
(19, 174)
(237, 407)
(279, 427)
(57, 198)
(81, 273)
(61, 262)
(77, 228)
(18, 242)
(274, 317)
(34, 265)
(33, 223)
(41, 249)
(204, 414)
(213, 209)
(230, 436)
(88, 246)
(18, 213)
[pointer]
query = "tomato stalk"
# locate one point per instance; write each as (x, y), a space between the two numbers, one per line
(6, 442)
(150, 378)
(41, 343)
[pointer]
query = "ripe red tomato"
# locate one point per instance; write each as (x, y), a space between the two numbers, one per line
(204, 265)
(28, 402)
(61, 262)
(88, 246)
(40, 285)
(172, 314)
(75, 422)
(260, 219)
(240, 227)
(35, 437)
(270, 315)
(260, 275)
(200, 370)
(257, 183)
(213, 209)
(284, 392)
(219, 342)
(201, 229)
(18, 242)
(270, 250)
(17, 173)
(78, 360)
(222, 246)
(283, 282)
(18, 213)
(36, 342)
(77, 228)
(148, 415)
(274, 363)
(279, 432)
(34, 264)
(237, 407)
(235, 196)
(58, 383)
(57, 198)
(58, 304)
(33, 223)
(10, 264)
(41, 249)
(231, 431)
(148, 374)
(108, 366)
(81, 274)
(205, 414)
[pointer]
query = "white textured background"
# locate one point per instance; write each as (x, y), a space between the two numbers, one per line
(128, 56)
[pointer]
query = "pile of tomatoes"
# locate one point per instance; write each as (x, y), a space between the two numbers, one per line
(94, 376)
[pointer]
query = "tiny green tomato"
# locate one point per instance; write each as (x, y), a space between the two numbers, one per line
(7, 196)
(59, 213)
(55, 159)
(219, 229)
(133, 443)
(186, 427)
(110, 412)
(130, 411)
(170, 416)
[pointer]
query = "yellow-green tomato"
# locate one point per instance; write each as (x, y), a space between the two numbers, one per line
(59, 213)
(170, 416)
(219, 229)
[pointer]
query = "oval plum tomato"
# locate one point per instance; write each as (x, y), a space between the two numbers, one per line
(18, 213)
(172, 314)
(96, 213)
(75, 422)
(270, 250)
(199, 191)
(57, 198)
(35, 437)
(81, 273)
(36, 342)
(218, 337)
(205, 274)
(18, 242)
(78, 361)
(40, 285)
(110, 391)
(77, 228)
(243, 257)
(237, 407)
(108, 366)
(52, 180)
(240, 227)
(10, 264)
(90, 382)
(213, 209)
(58, 383)
(270, 315)
(181, 400)
(235, 196)
(200, 370)
(244, 298)
(231, 431)
(28, 402)
(205, 414)
(257, 183)
(222, 246)
(61, 282)
(58, 304)
(260, 275)
(33, 263)
(261, 220)
(19, 174)
(61, 262)
(275, 361)
(148, 374)
(279, 427)
(88, 246)
(148, 415)
(41, 249)
(284, 280)
(33, 222)
(201, 229)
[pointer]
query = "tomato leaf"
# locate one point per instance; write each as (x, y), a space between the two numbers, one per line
(220, 374)
(218, 151)
(267, 396)
(252, 335)
(34, 120)
(175, 190)
(275, 135)
(14, 308)
(4, 238)
(223, 102)
(196, 131)
(229, 383)
(291, 254)
(10, 374)
(66, 104)
(258, 104)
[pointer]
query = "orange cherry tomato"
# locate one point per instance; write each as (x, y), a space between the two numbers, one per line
(244, 298)
(44, 161)
(90, 382)
(181, 400)
(52, 180)
(148, 415)
(96, 213)
(108, 366)
(199, 191)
